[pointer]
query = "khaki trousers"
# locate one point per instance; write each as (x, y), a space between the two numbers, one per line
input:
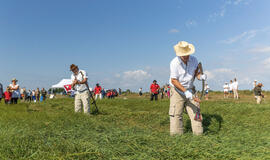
(259, 99)
(235, 93)
(82, 98)
(177, 105)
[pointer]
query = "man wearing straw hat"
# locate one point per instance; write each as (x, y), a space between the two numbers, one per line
(183, 70)
(15, 89)
(79, 83)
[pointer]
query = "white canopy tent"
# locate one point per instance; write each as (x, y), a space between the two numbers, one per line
(62, 83)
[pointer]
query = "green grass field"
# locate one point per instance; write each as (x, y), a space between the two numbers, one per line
(134, 128)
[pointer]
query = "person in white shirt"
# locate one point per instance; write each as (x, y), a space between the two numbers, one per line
(206, 88)
(140, 92)
(15, 89)
(235, 89)
(79, 83)
(226, 90)
(183, 70)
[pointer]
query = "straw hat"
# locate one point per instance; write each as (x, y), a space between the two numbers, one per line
(14, 79)
(184, 48)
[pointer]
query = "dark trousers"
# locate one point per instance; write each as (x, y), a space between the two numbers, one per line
(14, 100)
(154, 95)
(7, 101)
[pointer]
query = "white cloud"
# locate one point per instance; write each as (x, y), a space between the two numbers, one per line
(243, 36)
(260, 50)
(266, 63)
(223, 9)
(219, 73)
(247, 35)
(137, 75)
(130, 79)
(173, 30)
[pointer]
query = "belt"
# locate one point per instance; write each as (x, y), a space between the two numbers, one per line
(82, 91)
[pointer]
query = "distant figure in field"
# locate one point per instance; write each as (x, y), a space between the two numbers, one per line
(206, 88)
(15, 89)
(34, 96)
(37, 94)
(1, 92)
(97, 91)
(119, 91)
(154, 89)
(230, 88)
(43, 94)
(258, 93)
(103, 93)
(29, 95)
(168, 91)
(226, 90)
(23, 94)
(79, 83)
(161, 91)
(235, 89)
(183, 69)
(7, 96)
(140, 91)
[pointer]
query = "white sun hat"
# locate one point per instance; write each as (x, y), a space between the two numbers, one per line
(184, 48)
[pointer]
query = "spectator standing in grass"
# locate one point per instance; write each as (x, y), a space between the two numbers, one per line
(183, 69)
(7, 96)
(206, 88)
(154, 89)
(168, 91)
(103, 93)
(37, 94)
(24, 94)
(230, 88)
(235, 89)
(119, 91)
(79, 80)
(226, 90)
(15, 89)
(29, 95)
(97, 92)
(1, 92)
(140, 91)
(44, 94)
(161, 91)
(34, 96)
(258, 93)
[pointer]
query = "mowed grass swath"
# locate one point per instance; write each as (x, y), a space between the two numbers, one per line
(134, 128)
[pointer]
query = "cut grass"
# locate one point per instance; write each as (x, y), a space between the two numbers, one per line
(133, 129)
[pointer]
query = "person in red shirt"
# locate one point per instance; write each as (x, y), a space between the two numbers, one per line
(97, 91)
(154, 90)
(7, 96)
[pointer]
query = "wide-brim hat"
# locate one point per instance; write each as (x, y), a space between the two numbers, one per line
(184, 48)
(14, 79)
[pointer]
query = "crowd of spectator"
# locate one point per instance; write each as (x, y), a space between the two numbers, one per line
(13, 93)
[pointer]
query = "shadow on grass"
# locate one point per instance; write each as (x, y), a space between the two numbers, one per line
(212, 124)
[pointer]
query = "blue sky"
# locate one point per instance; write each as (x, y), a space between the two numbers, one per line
(128, 43)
